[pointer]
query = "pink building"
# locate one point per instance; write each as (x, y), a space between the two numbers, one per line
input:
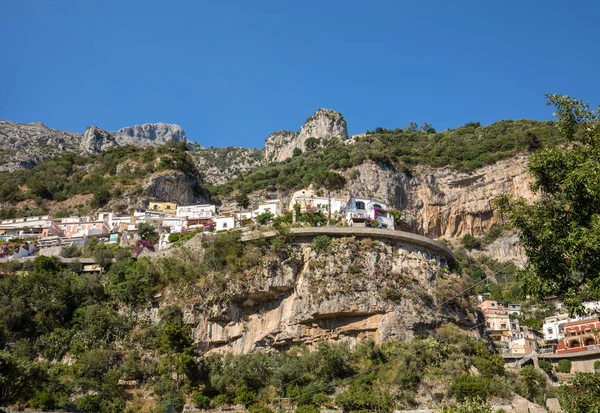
(50, 229)
(580, 335)
(83, 228)
(491, 307)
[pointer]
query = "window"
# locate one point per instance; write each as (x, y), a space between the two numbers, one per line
(550, 331)
(224, 224)
(493, 305)
(360, 205)
(168, 206)
(155, 207)
(503, 326)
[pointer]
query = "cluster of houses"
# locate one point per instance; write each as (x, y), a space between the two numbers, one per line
(169, 218)
(560, 333)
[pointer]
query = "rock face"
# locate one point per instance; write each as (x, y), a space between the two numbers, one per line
(218, 165)
(150, 133)
(95, 140)
(323, 124)
(24, 145)
(444, 202)
(173, 186)
(358, 290)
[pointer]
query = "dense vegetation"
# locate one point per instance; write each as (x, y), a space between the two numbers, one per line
(560, 232)
(105, 175)
(467, 147)
(48, 312)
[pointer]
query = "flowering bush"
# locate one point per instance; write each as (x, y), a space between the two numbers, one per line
(140, 245)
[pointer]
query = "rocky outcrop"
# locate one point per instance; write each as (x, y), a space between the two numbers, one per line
(506, 248)
(174, 186)
(219, 165)
(380, 290)
(95, 140)
(444, 202)
(280, 145)
(323, 124)
(24, 145)
(149, 134)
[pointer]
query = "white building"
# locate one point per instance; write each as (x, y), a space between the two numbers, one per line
(553, 328)
(24, 227)
(274, 206)
(175, 224)
(311, 203)
(223, 223)
(196, 211)
(360, 210)
(114, 221)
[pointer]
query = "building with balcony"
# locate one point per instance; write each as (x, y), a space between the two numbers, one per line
(360, 211)
(579, 336)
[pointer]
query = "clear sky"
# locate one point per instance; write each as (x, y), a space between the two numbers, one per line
(231, 72)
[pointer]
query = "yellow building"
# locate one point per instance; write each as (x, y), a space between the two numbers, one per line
(166, 207)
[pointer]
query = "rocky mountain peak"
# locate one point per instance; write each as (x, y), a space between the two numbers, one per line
(323, 124)
(150, 133)
(94, 140)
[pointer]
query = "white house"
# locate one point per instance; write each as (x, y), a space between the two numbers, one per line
(553, 328)
(223, 223)
(310, 202)
(274, 206)
(114, 221)
(175, 224)
(359, 210)
(25, 227)
(196, 211)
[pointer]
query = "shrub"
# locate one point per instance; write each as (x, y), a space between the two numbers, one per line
(470, 242)
(174, 399)
(264, 218)
(200, 400)
(597, 365)
(259, 408)
(307, 408)
(564, 366)
(221, 400)
(43, 400)
(174, 237)
(361, 397)
(470, 387)
(70, 252)
(477, 405)
(488, 366)
(547, 366)
(320, 243)
(321, 399)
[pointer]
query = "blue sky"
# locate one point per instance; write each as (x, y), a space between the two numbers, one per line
(231, 72)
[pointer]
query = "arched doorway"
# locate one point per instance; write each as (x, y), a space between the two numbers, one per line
(574, 344)
(589, 341)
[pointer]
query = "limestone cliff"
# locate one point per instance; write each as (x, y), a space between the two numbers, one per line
(24, 145)
(444, 202)
(323, 124)
(357, 290)
(219, 165)
(172, 186)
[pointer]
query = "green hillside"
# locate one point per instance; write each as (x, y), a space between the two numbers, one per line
(466, 148)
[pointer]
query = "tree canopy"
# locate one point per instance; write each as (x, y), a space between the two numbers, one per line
(561, 230)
